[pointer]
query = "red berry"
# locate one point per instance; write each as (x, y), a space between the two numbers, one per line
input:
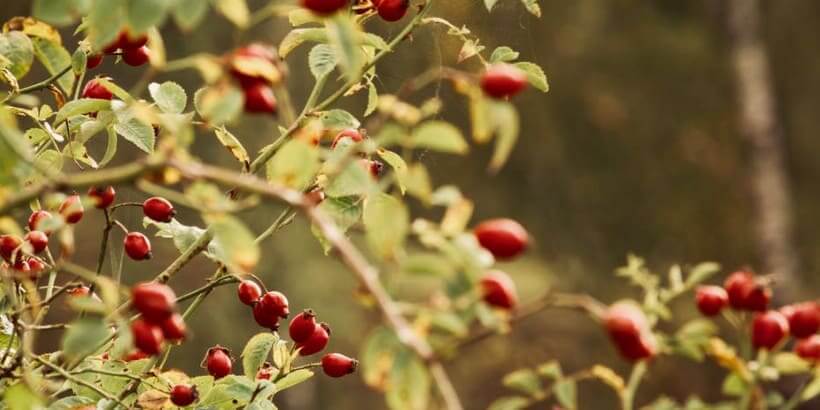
(498, 290)
(338, 365)
(8, 244)
(804, 318)
(259, 99)
(156, 301)
(503, 237)
(349, 133)
(36, 267)
(93, 61)
(630, 332)
(252, 51)
(22, 266)
(136, 57)
(376, 169)
(768, 329)
(137, 246)
(265, 372)
(758, 298)
(315, 196)
(126, 41)
(184, 394)
(72, 209)
(147, 336)
(173, 328)
(38, 220)
(135, 355)
(711, 299)
(302, 326)
(276, 303)
(316, 342)
(249, 292)
(503, 81)
(739, 286)
(94, 89)
(324, 7)
(265, 318)
(78, 291)
(809, 348)
(391, 10)
(218, 362)
(158, 209)
(38, 240)
(102, 197)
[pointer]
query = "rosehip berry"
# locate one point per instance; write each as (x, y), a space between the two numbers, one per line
(102, 197)
(156, 301)
(629, 331)
(173, 328)
(249, 292)
(93, 61)
(302, 326)
(79, 291)
(809, 348)
(147, 336)
(391, 10)
(738, 286)
(36, 267)
(265, 372)
(158, 209)
(72, 209)
(758, 298)
(259, 99)
(183, 395)
(315, 196)
(22, 267)
(9, 244)
(503, 81)
(38, 240)
(376, 169)
(350, 133)
(38, 220)
(338, 365)
(498, 290)
(95, 89)
(218, 362)
(136, 57)
(137, 246)
(711, 299)
(135, 355)
(804, 318)
(276, 303)
(126, 41)
(316, 342)
(768, 329)
(503, 237)
(252, 51)
(324, 7)
(265, 318)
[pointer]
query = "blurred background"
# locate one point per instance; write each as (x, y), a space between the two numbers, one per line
(638, 147)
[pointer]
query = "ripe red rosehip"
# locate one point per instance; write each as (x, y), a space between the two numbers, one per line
(259, 99)
(78, 291)
(36, 267)
(497, 289)
(102, 197)
(156, 301)
(324, 7)
(265, 318)
(21, 266)
(276, 303)
(135, 355)
(137, 246)
(302, 326)
(809, 348)
(630, 332)
(503, 237)
(93, 61)
(147, 336)
(249, 292)
(768, 329)
(38, 219)
(184, 394)
(94, 89)
(72, 209)
(758, 299)
(218, 362)
(711, 299)
(127, 41)
(745, 293)
(503, 81)
(38, 240)
(257, 51)
(316, 342)
(173, 328)
(8, 244)
(338, 365)
(265, 372)
(136, 57)
(158, 209)
(349, 133)
(391, 10)
(804, 318)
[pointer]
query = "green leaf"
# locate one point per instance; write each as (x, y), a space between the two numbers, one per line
(83, 336)
(219, 104)
(503, 54)
(812, 389)
(19, 397)
(377, 356)
(58, 12)
(345, 36)
(418, 182)
(535, 75)
(428, 263)
(118, 91)
(189, 13)
(294, 165)
(372, 99)
(409, 383)
(78, 61)
(532, 7)
(353, 180)
(439, 136)
(293, 378)
(505, 118)
(236, 11)
(256, 352)
(298, 36)
(137, 133)
(81, 106)
(566, 394)
(54, 58)
(386, 221)
(338, 120)
(550, 370)
(523, 380)
(144, 14)
(322, 60)
(237, 247)
(183, 236)
(229, 141)
(105, 20)
(169, 96)
(399, 167)
(734, 385)
(229, 392)
(701, 272)
(509, 402)
(451, 323)
(790, 363)
(17, 48)
(110, 147)
(344, 211)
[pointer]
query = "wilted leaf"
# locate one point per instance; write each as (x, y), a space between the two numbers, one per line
(229, 141)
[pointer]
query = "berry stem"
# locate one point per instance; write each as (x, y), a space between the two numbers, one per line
(628, 396)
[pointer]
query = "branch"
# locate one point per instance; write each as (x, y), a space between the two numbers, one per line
(78, 380)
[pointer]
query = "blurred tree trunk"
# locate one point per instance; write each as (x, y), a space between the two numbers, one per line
(760, 127)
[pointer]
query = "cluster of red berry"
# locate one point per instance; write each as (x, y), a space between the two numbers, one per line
(133, 50)
(505, 239)
(258, 90)
(159, 321)
(388, 10)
